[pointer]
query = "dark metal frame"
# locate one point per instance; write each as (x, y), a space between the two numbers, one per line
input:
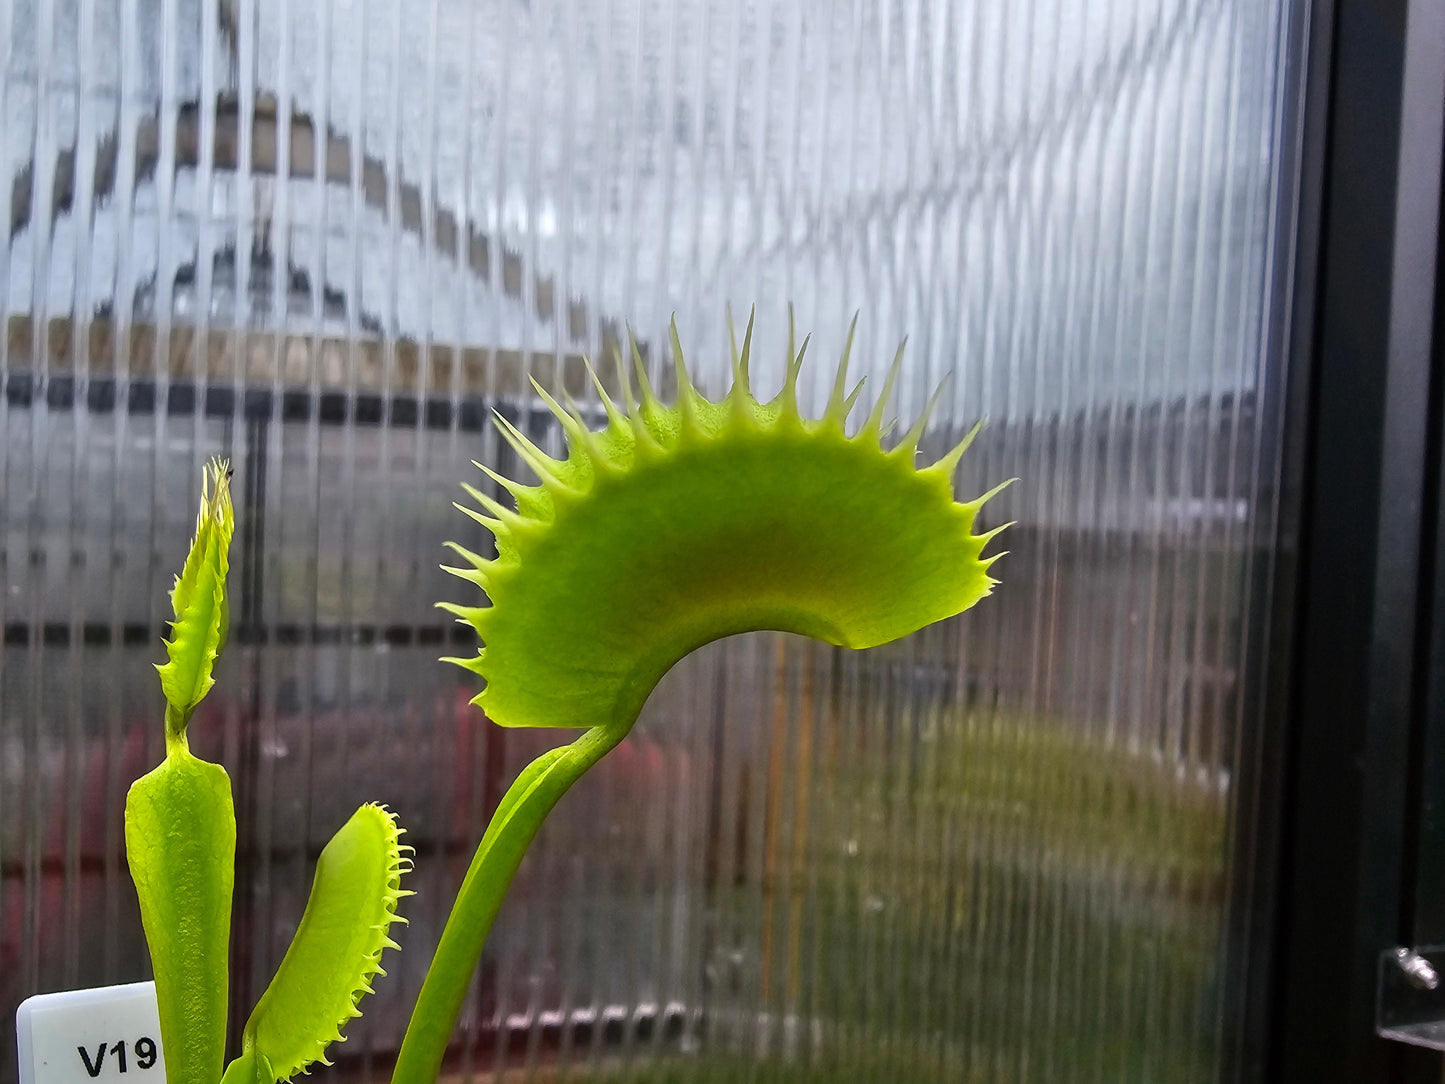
(1348, 855)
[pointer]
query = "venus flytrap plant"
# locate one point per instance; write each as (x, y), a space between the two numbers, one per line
(180, 826)
(333, 957)
(180, 832)
(671, 527)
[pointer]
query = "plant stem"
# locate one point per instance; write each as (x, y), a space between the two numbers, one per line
(176, 741)
(521, 812)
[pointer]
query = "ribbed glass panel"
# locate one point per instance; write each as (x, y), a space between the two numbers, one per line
(327, 238)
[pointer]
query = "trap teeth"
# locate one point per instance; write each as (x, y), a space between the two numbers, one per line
(581, 553)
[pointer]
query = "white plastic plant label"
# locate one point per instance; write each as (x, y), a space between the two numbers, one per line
(110, 1034)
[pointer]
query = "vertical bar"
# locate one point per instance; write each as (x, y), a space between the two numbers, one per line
(1345, 842)
(1422, 292)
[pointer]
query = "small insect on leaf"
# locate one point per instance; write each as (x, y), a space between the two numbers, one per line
(335, 954)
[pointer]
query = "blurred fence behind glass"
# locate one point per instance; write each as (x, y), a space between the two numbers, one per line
(327, 239)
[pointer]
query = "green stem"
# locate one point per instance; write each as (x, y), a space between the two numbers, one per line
(249, 1068)
(521, 812)
(176, 721)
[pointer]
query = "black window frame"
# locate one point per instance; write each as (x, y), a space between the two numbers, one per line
(1346, 853)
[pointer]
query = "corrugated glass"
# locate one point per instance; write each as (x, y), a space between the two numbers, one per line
(327, 238)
